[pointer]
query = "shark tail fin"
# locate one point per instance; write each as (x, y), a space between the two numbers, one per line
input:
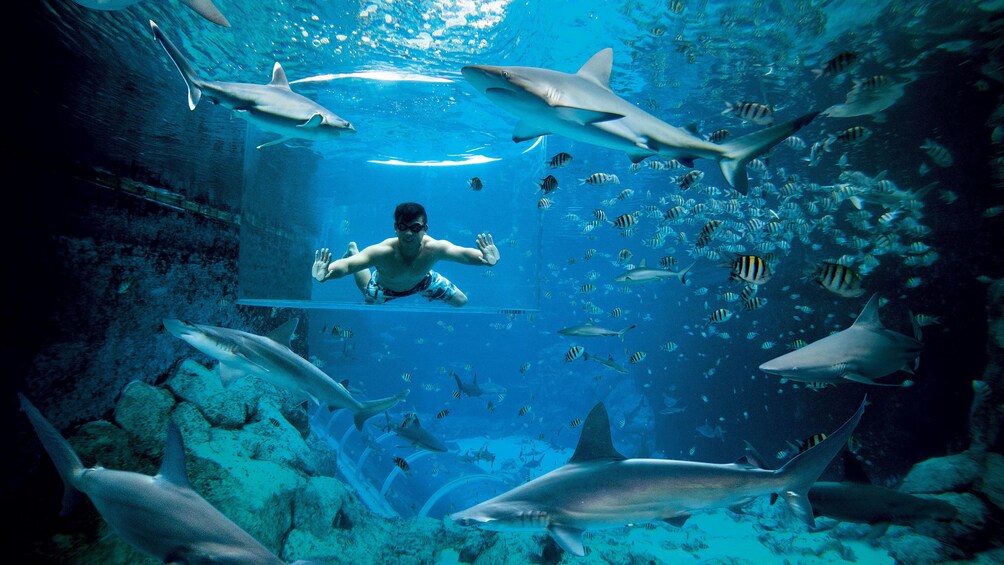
(182, 64)
(63, 456)
(683, 273)
(740, 151)
(800, 472)
(373, 407)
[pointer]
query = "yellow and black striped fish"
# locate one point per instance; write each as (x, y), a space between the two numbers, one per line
(524, 410)
(759, 114)
(524, 367)
(637, 357)
(401, 464)
(690, 179)
(707, 233)
(574, 352)
(839, 279)
(720, 315)
(719, 135)
(674, 213)
(837, 65)
(559, 160)
(575, 423)
(544, 203)
(810, 442)
(854, 134)
(548, 184)
(750, 268)
(625, 220)
(442, 414)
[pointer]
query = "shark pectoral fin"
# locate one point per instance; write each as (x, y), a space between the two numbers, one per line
(314, 121)
(525, 131)
(273, 142)
(678, 521)
(570, 539)
(208, 10)
(584, 116)
(229, 374)
(799, 504)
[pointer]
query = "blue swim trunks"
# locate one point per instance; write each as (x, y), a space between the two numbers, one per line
(433, 286)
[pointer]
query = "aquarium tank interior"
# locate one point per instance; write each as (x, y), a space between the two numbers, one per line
(527, 281)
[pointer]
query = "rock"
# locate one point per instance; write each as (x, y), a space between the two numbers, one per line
(942, 474)
(143, 410)
(914, 549)
(103, 443)
(967, 530)
(992, 482)
(228, 407)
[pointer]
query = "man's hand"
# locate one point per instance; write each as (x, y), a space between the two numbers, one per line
(322, 258)
(488, 249)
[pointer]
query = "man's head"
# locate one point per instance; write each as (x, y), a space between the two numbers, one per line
(410, 216)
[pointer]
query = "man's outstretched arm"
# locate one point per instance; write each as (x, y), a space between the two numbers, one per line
(486, 254)
(325, 269)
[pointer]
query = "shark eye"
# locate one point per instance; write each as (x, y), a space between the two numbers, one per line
(505, 74)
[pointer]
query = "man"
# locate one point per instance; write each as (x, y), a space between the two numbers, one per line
(402, 265)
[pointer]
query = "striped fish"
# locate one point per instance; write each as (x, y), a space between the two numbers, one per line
(690, 179)
(544, 203)
(637, 357)
(442, 414)
(560, 160)
(574, 352)
(576, 422)
(837, 65)
(524, 410)
(626, 220)
(720, 315)
(719, 135)
(937, 153)
(754, 303)
(750, 268)
(600, 178)
(548, 184)
(839, 279)
(759, 114)
(854, 134)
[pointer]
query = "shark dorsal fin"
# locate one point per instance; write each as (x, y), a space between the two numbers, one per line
(641, 264)
(279, 77)
(853, 470)
(597, 68)
(595, 443)
(869, 317)
(172, 468)
(284, 333)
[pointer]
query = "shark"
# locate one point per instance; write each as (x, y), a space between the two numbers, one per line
(599, 488)
(273, 107)
(861, 353)
(581, 106)
(160, 515)
(856, 499)
(589, 330)
(269, 358)
(474, 389)
(608, 362)
(204, 8)
(642, 275)
(412, 431)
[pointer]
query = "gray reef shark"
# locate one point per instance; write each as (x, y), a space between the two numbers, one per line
(865, 351)
(268, 357)
(642, 275)
(589, 330)
(412, 431)
(474, 389)
(272, 107)
(582, 107)
(204, 8)
(161, 515)
(599, 488)
(608, 362)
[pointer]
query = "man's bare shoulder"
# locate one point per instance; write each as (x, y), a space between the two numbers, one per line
(385, 247)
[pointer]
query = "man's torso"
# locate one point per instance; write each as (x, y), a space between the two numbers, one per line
(401, 273)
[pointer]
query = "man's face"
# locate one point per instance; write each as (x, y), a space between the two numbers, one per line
(411, 231)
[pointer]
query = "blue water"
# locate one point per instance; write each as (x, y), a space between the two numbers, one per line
(682, 68)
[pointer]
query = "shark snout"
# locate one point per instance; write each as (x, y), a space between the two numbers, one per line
(178, 328)
(484, 77)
